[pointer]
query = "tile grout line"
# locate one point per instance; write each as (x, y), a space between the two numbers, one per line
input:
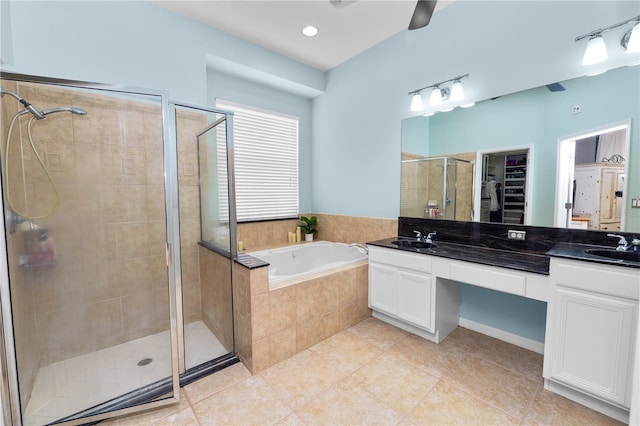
(528, 409)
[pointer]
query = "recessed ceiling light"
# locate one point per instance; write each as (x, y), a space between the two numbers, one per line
(310, 31)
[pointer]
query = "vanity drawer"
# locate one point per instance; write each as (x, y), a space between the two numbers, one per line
(488, 277)
(400, 259)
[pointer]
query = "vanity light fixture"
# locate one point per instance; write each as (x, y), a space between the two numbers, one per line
(596, 50)
(631, 39)
(457, 92)
(436, 97)
(416, 102)
(439, 94)
(469, 105)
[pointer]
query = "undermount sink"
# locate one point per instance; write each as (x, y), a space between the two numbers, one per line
(414, 244)
(633, 256)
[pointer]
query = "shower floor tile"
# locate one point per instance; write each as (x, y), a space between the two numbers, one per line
(69, 386)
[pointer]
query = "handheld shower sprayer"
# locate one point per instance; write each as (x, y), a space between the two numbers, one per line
(37, 115)
(28, 107)
(72, 110)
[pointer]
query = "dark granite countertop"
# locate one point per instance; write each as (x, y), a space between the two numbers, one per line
(577, 251)
(521, 261)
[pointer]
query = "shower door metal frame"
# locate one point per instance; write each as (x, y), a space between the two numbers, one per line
(233, 232)
(9, 391)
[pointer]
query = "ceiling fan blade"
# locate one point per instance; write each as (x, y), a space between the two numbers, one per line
(422, 14)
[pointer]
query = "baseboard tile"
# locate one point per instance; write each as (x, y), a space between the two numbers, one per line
(505, 336)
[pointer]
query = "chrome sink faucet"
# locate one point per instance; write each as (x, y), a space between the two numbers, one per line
(623, 244)
(428, 239)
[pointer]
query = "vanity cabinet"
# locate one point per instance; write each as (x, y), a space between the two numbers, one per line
(403, 292)
(400, 285)
(591, 329)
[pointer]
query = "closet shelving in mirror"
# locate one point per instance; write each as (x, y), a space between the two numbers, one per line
(515, 179)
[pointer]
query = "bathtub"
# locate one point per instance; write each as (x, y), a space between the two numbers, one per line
(297, 262)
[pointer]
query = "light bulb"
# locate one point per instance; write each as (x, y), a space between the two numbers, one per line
(436, 97)
(310, 31)
(469, 105)
(457, 92)
(416, 102)
(596, 51)
(633, 45)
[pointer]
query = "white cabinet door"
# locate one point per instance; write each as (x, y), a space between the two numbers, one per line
(382, 288)
(414, 299)
(592, 343)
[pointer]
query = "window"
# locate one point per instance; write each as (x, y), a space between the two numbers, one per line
(266, 162)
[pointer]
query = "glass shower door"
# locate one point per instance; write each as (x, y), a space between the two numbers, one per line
(208, 229)
(87, 254)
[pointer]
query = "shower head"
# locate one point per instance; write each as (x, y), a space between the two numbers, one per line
(28, 107)
(72, 110)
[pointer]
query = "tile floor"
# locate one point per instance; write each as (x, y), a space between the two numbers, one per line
(70, 386)
(373, 373)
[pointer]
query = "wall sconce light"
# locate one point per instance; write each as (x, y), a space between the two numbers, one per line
(439, 94)
(596, 50)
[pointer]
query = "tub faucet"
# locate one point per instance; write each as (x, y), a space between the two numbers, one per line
(623, 245)
(362, 246)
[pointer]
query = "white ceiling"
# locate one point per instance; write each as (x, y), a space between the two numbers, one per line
(345, 31)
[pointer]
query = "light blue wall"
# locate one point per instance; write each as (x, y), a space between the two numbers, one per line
(415, 136)
(132, 43)
(356, 137)
(508, 312)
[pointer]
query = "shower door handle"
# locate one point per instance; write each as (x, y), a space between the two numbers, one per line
(168, 254)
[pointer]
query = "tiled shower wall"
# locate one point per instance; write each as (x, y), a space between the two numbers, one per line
(422, 181)
(110, 284)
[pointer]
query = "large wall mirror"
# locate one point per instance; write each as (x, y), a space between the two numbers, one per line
(522, 157)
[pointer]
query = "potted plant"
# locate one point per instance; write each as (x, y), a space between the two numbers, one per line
(309, 227)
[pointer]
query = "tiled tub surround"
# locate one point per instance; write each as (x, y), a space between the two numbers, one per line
(273, 325)
(336, 228)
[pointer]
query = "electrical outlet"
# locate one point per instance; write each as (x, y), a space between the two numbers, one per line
(516, 235)
(576, 109)
(635, 203)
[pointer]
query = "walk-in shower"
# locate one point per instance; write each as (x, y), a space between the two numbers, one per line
(437, 188)
(109, 299)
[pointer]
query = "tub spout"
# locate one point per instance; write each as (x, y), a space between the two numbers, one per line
(359, 245)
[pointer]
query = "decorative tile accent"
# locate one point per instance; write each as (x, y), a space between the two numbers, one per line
(54, 163)
(188, 168)
(128, 166)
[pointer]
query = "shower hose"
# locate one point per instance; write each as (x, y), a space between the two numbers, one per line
(44, 167)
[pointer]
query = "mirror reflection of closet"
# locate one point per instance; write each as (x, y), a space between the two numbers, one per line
(503, 190)
(598, 183)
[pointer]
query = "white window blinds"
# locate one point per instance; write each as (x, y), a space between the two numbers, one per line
(266, 162)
